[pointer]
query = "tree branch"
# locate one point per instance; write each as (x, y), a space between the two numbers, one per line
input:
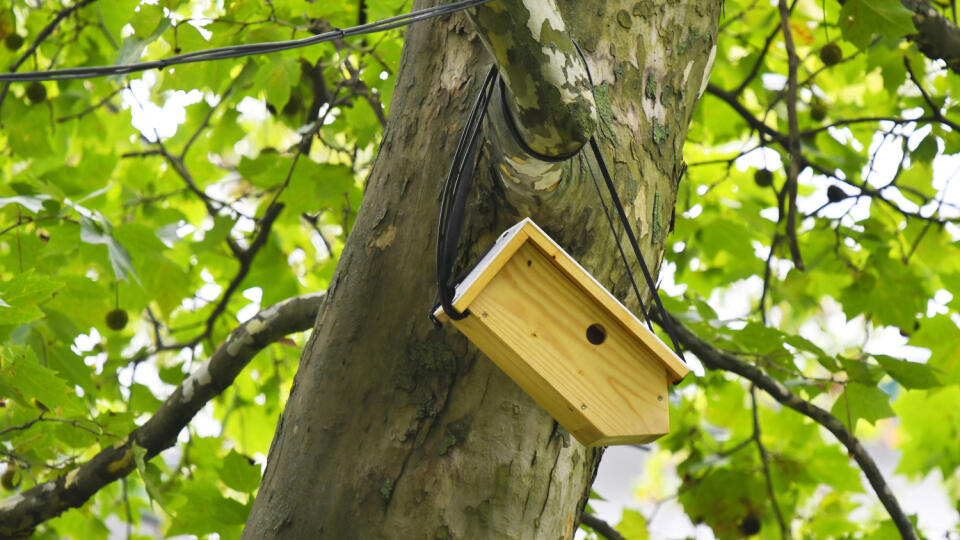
(934, 108)
(21, 513)
(765, 462)
(600, 526)
(936, 36)
(789, 219)
(713, 358)
(560, 77)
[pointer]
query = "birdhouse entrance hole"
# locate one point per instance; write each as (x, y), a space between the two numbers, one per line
(596, 334)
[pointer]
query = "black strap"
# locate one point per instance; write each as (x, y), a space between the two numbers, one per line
(457, 186)
(454, 199)
(623, 256)
(667, 325)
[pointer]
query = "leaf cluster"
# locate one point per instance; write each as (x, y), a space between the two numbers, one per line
(185, 199)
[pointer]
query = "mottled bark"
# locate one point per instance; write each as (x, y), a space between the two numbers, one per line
(550, 96)
(397, 430)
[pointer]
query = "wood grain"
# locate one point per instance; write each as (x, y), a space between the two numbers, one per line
(532, 320)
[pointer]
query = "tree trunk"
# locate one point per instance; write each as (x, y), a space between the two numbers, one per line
(395, 429)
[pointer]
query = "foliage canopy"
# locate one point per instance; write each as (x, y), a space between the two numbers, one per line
(143, 217)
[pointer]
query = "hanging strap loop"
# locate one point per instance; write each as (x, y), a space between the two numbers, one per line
(454, 199)
(457, 186)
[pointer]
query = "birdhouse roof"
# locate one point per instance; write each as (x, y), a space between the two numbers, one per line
(528, 231)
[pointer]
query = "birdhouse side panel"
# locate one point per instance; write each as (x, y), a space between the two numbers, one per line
(527, 378)
(588, 362)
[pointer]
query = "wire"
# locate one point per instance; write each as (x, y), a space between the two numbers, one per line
(238, 51)
(616, 237)
(667, 324)
(454, 198)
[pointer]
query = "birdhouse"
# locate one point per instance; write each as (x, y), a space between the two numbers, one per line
(566, 341)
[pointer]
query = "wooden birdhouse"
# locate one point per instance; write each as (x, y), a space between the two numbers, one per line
(566, 341)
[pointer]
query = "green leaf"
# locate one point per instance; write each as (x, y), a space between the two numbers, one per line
(32, 385)
(205, 510)
(633, 525)
(861, 19)
(909, 374)
(930, 422)
(115, 14)
(33, 203)
(146, 20)
(860, 371)
(861, 401)
(926, 150)
(239, 473)
(22, 296)
(33, 129)
(277, 77)
(942, 337)
(97, 230)
(152, 480)
(189, 38)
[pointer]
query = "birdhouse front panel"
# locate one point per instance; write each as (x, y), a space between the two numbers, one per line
(562, 344)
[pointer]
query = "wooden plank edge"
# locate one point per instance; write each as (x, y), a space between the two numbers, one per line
(486, 268)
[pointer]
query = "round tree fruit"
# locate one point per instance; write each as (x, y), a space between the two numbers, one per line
(750, 525)
(818, 109)
(10, 479)
(117, 319)
(763, 178)
(13, 42)
(831, 54)
(37, 92)
(835, 194)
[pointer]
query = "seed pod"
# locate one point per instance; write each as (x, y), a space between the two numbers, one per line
(831, 54)
(763, 178)
(117, 319)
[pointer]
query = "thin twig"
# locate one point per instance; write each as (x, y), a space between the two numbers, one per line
(44, 33)
(206, 119)
(765, 461)
(793, 142)
(766, 277)
(91, 108)
(600, 526)
(926, 97)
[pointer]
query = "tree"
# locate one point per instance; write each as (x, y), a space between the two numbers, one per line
(392, 427)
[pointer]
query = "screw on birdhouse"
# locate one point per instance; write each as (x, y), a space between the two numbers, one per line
(659, 398)
(484, 315)
(583, 406)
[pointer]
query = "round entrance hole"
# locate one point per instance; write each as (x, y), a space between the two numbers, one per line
(596, 334)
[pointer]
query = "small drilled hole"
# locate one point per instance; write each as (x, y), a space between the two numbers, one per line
(596, 334)
(529, 262)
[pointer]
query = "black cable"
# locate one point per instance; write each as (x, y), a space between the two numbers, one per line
(667, 325)
(454, 198)
(616, 237)
(238, 51)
